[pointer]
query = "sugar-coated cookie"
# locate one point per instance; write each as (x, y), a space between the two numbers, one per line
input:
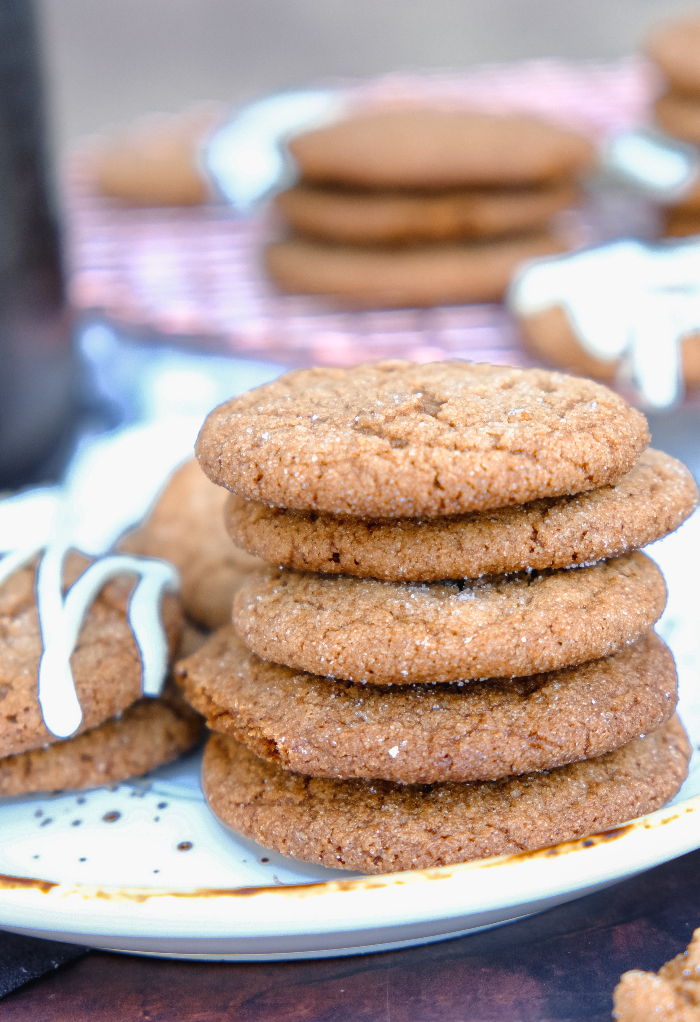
(186, 528)
(397, 439)
(106, 664)
(421, 734)
(367, 630)
(424, 148)
(422, 275)
(381, 827)
(148, 734)
(372, 217)
(650, 501)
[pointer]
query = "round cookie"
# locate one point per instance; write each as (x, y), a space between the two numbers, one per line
(155, 162)
(186, 528)
(650, 501)
(675, 47)
(106, 665)
(148, 734)
(404, 277)
(421, 734)
(397, 439)
(679, 115)
(367, 630)
(380, 827)
(551, 337)
(424, 148)
(404, 218)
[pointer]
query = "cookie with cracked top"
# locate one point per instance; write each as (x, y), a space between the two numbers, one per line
(186, 527)
(381, 827)
(421, 734)
(650, 501)
(106, 664)
(372, 217)
(405, 276)
(368, 630)
(397, 439)
(430, 148)
(148, 734)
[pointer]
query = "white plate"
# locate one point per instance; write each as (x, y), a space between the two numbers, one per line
(146, 868)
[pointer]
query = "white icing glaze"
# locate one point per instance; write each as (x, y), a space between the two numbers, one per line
(627, 300)
(61, 619)
(246, 157)
(653, 163)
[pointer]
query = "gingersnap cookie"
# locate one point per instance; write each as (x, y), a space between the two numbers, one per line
(653, 499)
(672, 994)
(381, 827)
(368, 630)
(550, 335)
(404, 277)
(106, 665)
(404, 218)
(156, 161)
(421, 734)
(423, 148)
(396, 439)
(679, 115)
(148, 734)
(675, 47)
(186, 528)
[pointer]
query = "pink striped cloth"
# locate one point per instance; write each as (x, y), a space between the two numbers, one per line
(195, 273)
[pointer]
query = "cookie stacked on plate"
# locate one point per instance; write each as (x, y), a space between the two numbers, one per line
(675, 48)
(423, 207)
(122, 734)
(453, 656)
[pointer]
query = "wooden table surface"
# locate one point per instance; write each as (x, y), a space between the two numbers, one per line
(561, 965)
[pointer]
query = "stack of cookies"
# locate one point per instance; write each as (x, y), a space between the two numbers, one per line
(122, 734)
(453, 655)
(423, 207)
(675, 49)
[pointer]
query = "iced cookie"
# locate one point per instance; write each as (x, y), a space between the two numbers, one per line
(401, 277)
(423, 148)
(421, 734)
(106, 665)
(186, 528)
(650, 501)
(371, 217)
(367, 630)
(146, 735)
(398, 439)
(380, 827)
(551, 336)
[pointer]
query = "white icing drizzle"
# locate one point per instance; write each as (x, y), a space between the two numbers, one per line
(651, 162)
(246, 157)
(61, 619)
(628, 301)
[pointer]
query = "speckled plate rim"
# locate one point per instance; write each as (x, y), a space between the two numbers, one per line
(345, 916)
